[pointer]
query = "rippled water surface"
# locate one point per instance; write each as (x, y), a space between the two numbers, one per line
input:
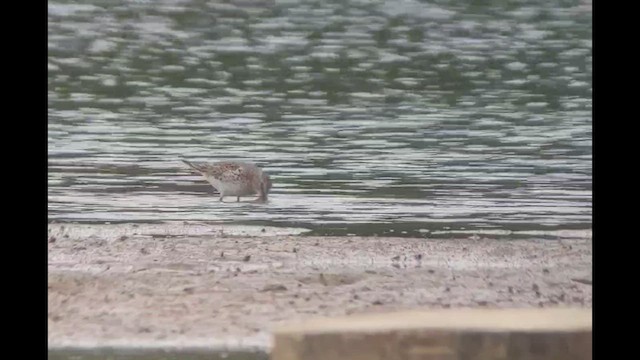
(373, 117)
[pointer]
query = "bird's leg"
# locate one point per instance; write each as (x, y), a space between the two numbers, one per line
(221, 197)
(238, 199)
(262, 198)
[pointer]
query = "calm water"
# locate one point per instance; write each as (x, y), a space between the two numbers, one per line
(433, 118)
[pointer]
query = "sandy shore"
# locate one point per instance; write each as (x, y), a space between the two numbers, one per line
(205, 286)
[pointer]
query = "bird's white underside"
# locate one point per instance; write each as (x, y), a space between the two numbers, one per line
(231, 189)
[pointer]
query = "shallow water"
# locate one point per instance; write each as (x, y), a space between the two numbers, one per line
(399, 117)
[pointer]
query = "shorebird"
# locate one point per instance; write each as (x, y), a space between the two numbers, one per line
(234, 178)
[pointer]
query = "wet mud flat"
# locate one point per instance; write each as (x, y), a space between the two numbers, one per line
(209, 288)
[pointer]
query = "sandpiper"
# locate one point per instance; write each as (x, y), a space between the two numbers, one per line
(234, 178)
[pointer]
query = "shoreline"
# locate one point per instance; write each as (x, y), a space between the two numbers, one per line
(220, 288)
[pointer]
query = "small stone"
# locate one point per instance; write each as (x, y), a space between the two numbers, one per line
(545, 271)
(482, 303)
(323, 280)
(274, 287)
(122, 238)
(189, 290)
(247, 258)
(295, 250)
(447, 289)
(222, 254)
(431, 271)
(263, 230)
(356, 297)
(535, 287)
(583, 281)
(510, 290)
(144, 251)
(418, 257)
(377, 302)
(52, 239)
(396, 258)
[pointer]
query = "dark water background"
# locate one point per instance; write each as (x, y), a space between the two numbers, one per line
(429, 118)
